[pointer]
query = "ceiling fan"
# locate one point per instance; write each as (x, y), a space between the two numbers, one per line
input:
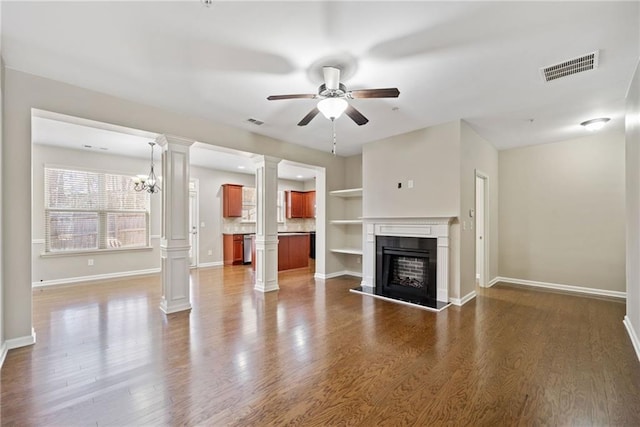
(333, 97)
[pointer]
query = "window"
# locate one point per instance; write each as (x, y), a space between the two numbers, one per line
(89, 210)
(249, 208)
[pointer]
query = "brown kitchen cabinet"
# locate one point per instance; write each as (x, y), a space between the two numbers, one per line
(310, 204)
(301, 204)
(231, 200)
(293, 251)
(233, 249)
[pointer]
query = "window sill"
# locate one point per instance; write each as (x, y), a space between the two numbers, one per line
(94, 252)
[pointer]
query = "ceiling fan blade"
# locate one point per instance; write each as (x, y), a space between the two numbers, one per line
(356, 115)
(390, 92)
(331, 77)
(295, 96)
(306, 119)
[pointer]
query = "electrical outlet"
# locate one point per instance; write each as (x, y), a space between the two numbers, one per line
(399, 185)
(90, 261)
(209, 252)
(202, 224)
(410, 183)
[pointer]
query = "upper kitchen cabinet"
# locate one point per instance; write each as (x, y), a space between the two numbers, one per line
(231, 200)
(310, 204)
(301, 204)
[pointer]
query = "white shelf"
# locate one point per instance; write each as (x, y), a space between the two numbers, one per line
(350, 251)
(350, 192)
(346, 221)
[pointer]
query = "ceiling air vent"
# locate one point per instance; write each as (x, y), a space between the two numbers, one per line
(572, 66)
(255, 122)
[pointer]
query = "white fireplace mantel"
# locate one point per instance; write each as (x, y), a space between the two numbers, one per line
(430, 227)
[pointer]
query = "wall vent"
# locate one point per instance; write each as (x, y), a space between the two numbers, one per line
(572, 66)
(255, 122)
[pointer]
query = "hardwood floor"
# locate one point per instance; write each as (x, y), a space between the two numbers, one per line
(315, 354)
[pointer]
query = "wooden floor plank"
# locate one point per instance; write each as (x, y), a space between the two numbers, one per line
(315, 354)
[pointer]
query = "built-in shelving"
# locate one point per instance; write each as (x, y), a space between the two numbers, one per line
(346, 221)
(350, 251)
(349, 192)
(350, 223)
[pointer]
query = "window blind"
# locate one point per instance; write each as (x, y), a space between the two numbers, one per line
(91, 210)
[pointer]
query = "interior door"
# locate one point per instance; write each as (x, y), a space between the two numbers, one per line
(480, 214)
(193, 228)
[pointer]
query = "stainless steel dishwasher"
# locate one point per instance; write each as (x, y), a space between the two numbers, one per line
(246, 256)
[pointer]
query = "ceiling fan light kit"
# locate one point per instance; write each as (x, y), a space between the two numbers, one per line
(332, 108)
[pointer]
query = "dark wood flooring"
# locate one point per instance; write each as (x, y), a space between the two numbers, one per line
(314, 354)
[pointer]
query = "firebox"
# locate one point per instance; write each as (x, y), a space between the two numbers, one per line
(406, 268)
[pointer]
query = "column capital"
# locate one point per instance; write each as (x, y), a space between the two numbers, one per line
(259, 158)
(164, 140)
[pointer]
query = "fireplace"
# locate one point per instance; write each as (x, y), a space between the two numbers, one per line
(406, 268)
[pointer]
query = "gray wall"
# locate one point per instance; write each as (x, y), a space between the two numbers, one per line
(430, 157)
(64, 267)
(633, 205)
(22, 92)
(45, 268)
(476, 154)
(562, 212)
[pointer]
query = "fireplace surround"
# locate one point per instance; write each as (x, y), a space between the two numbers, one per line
(436, 229)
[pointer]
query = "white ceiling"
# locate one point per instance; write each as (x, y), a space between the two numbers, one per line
(79, 134)
(477, 61)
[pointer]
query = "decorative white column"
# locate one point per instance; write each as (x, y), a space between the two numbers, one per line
(174, 243)
(266, 224)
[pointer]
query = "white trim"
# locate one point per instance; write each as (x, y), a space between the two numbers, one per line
(337, 274)
(155, 237)
(465, 299)
(21, 341)
(3, 353)
(493, 281)
(70, 280)
(632, 334)
(561, 287)
(211, 264)
(38, 241)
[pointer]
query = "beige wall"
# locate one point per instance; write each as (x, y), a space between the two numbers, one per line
(477, 154)
(633, 205)
(52, 268)
(63, 267)
(562, 212)
(24, 92)
(430, 157)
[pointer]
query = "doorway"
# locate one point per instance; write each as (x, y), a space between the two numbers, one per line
(481, 216)
(193, 224)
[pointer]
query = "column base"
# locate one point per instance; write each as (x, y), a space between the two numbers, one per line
(169, 309)
(268, 288)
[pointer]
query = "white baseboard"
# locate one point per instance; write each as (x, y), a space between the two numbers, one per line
(337, 274)
(3, 353)
(21, 341)
(211, 264)
(465, 299)
(493, 282)
(561, 287)
(635, 340)
(71, 280)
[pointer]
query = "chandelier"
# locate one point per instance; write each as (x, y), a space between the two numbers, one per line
(148, 183)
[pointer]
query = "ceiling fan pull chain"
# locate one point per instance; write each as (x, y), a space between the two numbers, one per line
(333, 125)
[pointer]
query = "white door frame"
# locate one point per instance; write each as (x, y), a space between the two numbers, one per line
(483, 281)
(194, 217)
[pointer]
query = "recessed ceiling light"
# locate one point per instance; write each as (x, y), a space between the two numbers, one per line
(299, 176)
(240, 167)
(595, 124)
